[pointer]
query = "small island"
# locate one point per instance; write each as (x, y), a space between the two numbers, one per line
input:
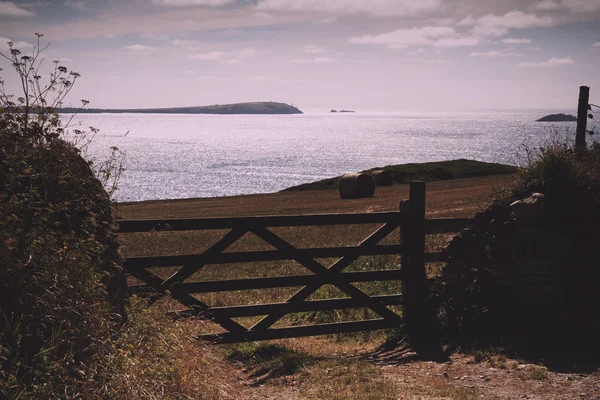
(557, 118)
(333, 111)
(265, 107)
(347, 111)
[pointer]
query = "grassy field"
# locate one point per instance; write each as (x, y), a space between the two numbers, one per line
(457, 198)
(351, 366)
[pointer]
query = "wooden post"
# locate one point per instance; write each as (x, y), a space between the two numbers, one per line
(416, 311)
(582, 115)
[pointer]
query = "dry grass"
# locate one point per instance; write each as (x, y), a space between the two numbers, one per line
(458, 198)
(322, 367)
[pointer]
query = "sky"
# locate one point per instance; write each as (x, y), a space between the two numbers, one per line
(396, 55)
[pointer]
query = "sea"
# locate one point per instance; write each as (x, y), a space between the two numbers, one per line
(171, 156)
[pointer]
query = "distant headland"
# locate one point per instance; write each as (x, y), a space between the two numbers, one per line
(263, 107)
(557, 118)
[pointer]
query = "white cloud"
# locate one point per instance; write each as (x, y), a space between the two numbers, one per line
(184, 42)
(516, 41)
(316, 60)
(12, 10)
(553, 62)
(420, 50)
(437, 36)
(210, 56)
(457, 42)
(139, 48)
(535, 48)
(402, 38)
(230, 57)
(187, 3)
(16, 45)
(548, 5)
(341, 7)
(314, 49)
(326, 20)
(499, 25)
(596, 45)
(571, 5)
(262, 14)
(494, 54)
(243, 53)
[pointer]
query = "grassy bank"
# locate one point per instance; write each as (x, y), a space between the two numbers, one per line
(428, 172)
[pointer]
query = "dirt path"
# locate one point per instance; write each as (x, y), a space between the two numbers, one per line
(341, 370)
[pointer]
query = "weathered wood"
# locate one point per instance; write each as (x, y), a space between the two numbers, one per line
(194, 265)
(445, 225)
(134, 263)
(416, 309)
(317, 268)
(196, 305)
(582, 116)
(250, 222)
(285, 281)
(307, 305)
(337, 266)
(300, 331)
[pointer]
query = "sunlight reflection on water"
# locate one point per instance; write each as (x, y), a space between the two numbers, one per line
(181, 156)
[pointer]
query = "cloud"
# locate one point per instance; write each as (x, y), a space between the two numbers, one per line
(438, 36)
(516, 41)
(547, 5)
(499, 25)
(16, 45)
(345, 7)
(535, 48)
(553, 62)
(571, 5)
(227, 57)
(316, 60)
(326, 20)
(139, 47)
(184, 42)
(314, 49)
(210, 56)
(12, 10)
(187, 3)
(596, 45)
(457, 42)
(494, 54)
(262, 14)
(420, 50)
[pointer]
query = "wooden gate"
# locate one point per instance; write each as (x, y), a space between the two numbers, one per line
(413, 227)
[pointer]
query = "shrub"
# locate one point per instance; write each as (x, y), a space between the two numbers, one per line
(57, 253)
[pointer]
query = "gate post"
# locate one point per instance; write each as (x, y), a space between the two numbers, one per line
(416, 307)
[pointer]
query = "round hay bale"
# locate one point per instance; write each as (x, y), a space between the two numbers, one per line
(382, 177)
(355, 186)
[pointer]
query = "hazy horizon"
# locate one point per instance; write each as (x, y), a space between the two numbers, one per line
(389, 55)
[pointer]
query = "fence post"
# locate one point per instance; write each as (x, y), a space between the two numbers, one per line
(582, 116)
(416, 310)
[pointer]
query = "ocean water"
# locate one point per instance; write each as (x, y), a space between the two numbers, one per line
(184, 156)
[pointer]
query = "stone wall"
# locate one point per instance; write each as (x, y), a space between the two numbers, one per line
(524, 272)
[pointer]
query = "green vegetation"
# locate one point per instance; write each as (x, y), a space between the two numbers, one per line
(64, 332)
(59, 301)
(561, 173)
(431, 171)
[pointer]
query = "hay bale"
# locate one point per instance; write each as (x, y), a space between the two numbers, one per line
(382, 177)
(355, 186)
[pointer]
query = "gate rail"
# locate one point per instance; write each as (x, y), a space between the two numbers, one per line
(414, 298)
